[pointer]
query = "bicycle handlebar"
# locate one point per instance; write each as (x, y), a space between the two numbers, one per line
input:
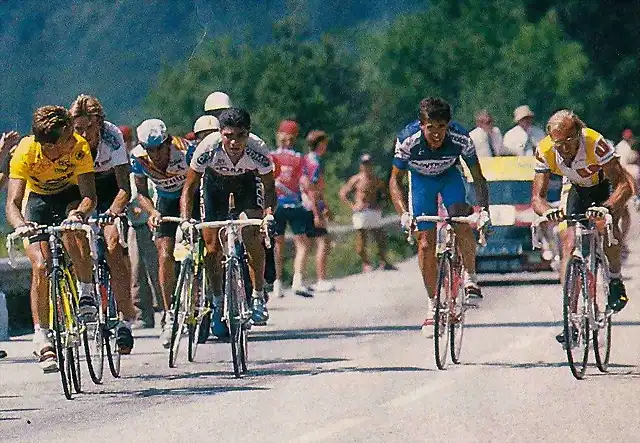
(468, 219)
(608, 226)
(44, 229)
(122, 240)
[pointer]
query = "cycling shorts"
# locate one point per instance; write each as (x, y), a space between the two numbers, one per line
(247, 189)
(106, 191)
(51, 209)
(424, 191)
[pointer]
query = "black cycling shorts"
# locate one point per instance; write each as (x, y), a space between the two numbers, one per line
(296, 217)
(247, 190)
(170, 207)
(579, 198)
(312, 230)
(50, 210)
(106, 190)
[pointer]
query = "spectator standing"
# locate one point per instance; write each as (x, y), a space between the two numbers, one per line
(318, 211)
(368, 191)
(145, 289)
(486, 137)
(523, 138)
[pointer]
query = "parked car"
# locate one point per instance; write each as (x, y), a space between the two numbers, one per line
(509, 248)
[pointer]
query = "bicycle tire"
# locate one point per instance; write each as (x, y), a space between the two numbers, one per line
(604, 328)
(73, 363)
(111, 323)
(458, 312)
(180, 298)
(198, 311)
(573, 293)
(59, 329)
(442, 317)
(95, 358)
(234, 288)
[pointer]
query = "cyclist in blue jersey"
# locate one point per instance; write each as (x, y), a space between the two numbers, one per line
(163, 159)
(429, 149)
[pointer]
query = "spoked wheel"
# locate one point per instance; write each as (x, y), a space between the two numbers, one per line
(199, 317)
(94, 350)
(180, 301)
(442, 316)
(602, 332)
(73, 366)
(59, 331)
(576, 322)
(458, 310)
(244, 341)
(235, 296)
(111, 325)
(111, 349)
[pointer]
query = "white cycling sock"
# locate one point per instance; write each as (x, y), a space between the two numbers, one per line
(257, 294)
(297, 280)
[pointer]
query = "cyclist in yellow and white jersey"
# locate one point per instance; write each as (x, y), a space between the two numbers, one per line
(56, 167)
(589, 164)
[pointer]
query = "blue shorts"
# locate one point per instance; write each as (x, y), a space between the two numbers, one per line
(425, 189)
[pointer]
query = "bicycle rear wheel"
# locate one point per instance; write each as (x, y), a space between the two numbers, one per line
(73, 366)
(59, 329)
(180, 309)
(575, 319)
(458, 309)
(92, 338)
(236, 297)
(602, 331)
(442, 315)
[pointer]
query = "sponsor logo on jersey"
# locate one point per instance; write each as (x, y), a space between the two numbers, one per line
(205, 157)
(257, 157)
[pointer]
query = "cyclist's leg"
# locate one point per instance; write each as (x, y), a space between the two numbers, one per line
(423, 200)
(43, 211)
(454, 198)
(323, 247)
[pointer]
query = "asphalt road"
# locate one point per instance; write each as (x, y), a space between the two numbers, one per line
(350, 366)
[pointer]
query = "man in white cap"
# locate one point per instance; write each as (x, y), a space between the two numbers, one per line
(216, 102)
(523, 138)
(164, 160)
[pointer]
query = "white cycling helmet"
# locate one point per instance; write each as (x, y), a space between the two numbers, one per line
(206, 123)
(217, 100)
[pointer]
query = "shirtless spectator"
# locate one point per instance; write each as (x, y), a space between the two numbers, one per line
(368, 190)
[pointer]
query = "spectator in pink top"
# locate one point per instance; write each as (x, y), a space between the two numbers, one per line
(290, 210)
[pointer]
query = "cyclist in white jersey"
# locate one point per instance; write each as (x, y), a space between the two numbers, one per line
(111, 165)
(163, 159)
(239, 164)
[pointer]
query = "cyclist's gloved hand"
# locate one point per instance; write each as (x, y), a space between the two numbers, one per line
(186, 228)
(27, 229)
(554, 214)
(154, 220)
(406, 221)
(269, 225)
(106, 218)
(596, 212)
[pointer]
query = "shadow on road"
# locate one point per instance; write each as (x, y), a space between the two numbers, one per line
(185, 391)
(322, 333)
(539, 324)
(539, 364)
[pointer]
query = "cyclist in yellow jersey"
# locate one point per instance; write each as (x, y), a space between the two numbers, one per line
(56, 166)
(589, 164)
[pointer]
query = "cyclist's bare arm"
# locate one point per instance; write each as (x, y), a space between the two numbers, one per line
(480, 185)
(124, 189)
(146, 204)
(539, 190)
(396, 189)
(14, 202)
(621, 183)
(270, 198)
(188, 191)
(87, 186)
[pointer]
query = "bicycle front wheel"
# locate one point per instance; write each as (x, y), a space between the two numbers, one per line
(458, 309)
(237, 309)
(575, 319)
(442, 314)
(180, 302)
(602, 329)
(59, 329)
(199, 315)
(111, 323)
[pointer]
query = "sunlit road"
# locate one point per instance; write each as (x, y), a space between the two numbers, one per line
(350, 366)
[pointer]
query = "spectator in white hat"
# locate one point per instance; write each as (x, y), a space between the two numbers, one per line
(524, 137)
(486, 137)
